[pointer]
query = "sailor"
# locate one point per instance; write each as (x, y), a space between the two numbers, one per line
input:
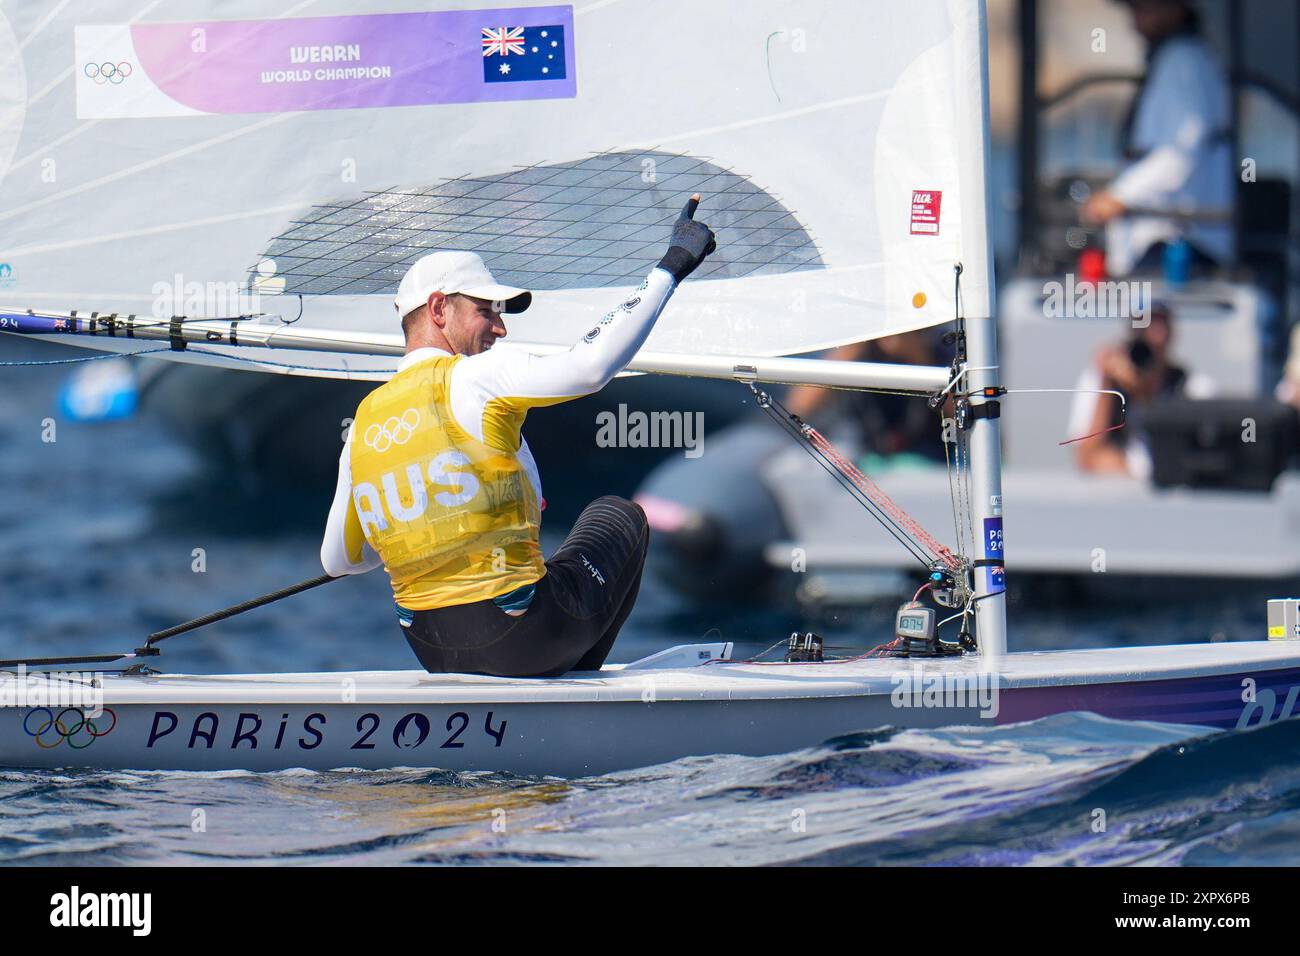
(1176, 151)
(437, 484)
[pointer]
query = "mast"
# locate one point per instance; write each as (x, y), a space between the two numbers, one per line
(981, 337)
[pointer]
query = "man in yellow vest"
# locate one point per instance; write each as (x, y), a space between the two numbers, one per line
(437, 484)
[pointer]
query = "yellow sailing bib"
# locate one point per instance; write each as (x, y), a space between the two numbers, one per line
(454, 520)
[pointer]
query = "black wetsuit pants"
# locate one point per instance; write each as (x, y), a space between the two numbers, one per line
(588, 590)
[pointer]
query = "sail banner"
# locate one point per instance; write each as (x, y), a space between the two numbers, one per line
(368, 61)
(208, 158)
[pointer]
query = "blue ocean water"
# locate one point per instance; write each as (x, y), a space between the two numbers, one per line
(103, 532)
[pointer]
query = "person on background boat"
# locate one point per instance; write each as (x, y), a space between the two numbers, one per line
(1142, 370)
(893, 427)
(1177, 155)
(437, 484)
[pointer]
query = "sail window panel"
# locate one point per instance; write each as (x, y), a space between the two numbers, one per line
(286, 265)
(571, 265)
(459, 224)
(427, 240)
(616, 249)
(502, 245)
(547, 246)
(664, 199)
(579, 265)
(543, 263)
(715, 184)
(445, 205)
(714, 270)
(381, 243)
(564, 196)
(760, 220)
(337, 205)
(775, 253)
(392, 273)
(428, 223)
(614, 179)
(653, 216)
(381, 201)
(620, 268)
(649, 252)
(308, 231)
(313, 250)
(502, 209)
(529, 175)
(345, 237)
(566, 231)
(795, 261)
(792, 240)
(378, 220)
(348, 252)
(610, 214)
(578, 212)
(668, 163)
(535, 193)
(589, 222)
(495, 227)
(624, 230)
(736, 211)
(304, 249)
(453, 187)
(367, 286)
(418, 204)
(560, 213)
(395, 254)
(361, 269)
(739, 203)
(536, 229)
(489, 189)
(452, 206)
(355, 211)
(527, 279)
(318, 285)
(311, 267)
(568, 177)
(341, 217)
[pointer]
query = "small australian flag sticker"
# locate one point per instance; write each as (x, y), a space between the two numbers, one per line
(515, 54)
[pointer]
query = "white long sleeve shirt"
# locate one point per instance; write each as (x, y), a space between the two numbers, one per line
(492, 392)
(1186, 163)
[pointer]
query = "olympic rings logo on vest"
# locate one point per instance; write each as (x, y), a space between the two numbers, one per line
(394, 431)
(71, 725)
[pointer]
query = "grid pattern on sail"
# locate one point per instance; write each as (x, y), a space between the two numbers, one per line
(599, 221)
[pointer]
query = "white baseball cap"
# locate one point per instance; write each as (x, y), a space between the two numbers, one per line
(452, 272)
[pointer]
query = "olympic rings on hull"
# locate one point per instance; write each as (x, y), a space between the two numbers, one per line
(80, 732)
(394, 431)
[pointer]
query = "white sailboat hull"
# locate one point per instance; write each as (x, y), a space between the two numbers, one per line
(620, 717)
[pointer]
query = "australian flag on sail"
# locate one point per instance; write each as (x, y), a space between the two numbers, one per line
(514, 54)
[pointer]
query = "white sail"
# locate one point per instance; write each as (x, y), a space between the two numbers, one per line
(169, 153)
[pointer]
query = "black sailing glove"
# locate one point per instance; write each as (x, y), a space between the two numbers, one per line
(691, 242)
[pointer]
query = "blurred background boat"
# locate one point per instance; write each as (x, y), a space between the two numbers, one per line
(1208, 504)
